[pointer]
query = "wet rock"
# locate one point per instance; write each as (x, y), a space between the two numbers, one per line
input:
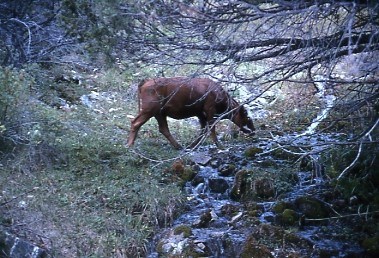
(201, 158)
(239, 185)
(277, 236)
(181, 172)
(264, 188)
(254, 209)
(268, 217)
(280, 206)
(311, 207)
(229, 210)
(204, 220)
(198, 179)
(251, 152)
(218, 185)
(198, 249)
(284, 155)
(252, 248)
(12, 246)
(183, 229)
(215, 163)
(227, 169)
(172, 245)
(289, 217)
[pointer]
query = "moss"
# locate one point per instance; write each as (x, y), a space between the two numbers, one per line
(284, 155)
(188, 173)
(227, 169)
(289, 217)
(251, 152)
(183, 229)
(311, 207)
(371, 245)
(280, 206)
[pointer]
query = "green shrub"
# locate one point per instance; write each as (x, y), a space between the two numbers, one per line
(14, 87)
(14, 93)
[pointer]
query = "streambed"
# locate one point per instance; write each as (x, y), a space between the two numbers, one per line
(259, 200)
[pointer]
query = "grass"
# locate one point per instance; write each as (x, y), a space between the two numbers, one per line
(76, 190)
(92, 210)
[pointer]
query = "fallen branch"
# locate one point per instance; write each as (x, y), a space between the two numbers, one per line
(368, 135)
(18, 196)
(343, 216)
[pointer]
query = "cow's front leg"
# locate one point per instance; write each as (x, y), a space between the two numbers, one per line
(163, 129)
(135, 126)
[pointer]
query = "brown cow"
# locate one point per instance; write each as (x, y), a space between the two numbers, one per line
(181, 98)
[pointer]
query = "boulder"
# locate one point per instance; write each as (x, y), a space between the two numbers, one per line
(311, 207)
(14, 247)
(239, 185)
(218, 185)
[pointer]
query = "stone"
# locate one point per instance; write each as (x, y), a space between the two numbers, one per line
(204, 220)
(289, 217)
(229, 210)
(198, 179)
(183, 229)
(251, 152)
(252, 248)
(239, 185)
(227, 169)
(201, 158)
(280, 206)
(218, 185)
(14, 247)
(264, 188)
(311, 207)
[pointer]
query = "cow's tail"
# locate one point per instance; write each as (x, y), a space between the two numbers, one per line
(139, 93)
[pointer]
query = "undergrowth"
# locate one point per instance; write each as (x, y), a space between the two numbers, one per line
(72, 187)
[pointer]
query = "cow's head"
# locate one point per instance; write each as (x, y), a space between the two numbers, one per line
(242, 119)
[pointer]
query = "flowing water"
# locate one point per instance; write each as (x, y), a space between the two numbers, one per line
(327, 98)
(216, 225)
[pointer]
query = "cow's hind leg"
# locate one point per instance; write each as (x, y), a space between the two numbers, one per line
(207, 123)
(163, 129)
(135, 126)
(204, 130)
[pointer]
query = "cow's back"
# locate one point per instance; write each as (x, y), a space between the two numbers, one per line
(179, 97)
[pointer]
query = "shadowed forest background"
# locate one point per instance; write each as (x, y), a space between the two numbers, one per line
(68, 79)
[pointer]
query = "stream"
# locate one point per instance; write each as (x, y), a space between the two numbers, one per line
(261, 200)
(249, 201)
